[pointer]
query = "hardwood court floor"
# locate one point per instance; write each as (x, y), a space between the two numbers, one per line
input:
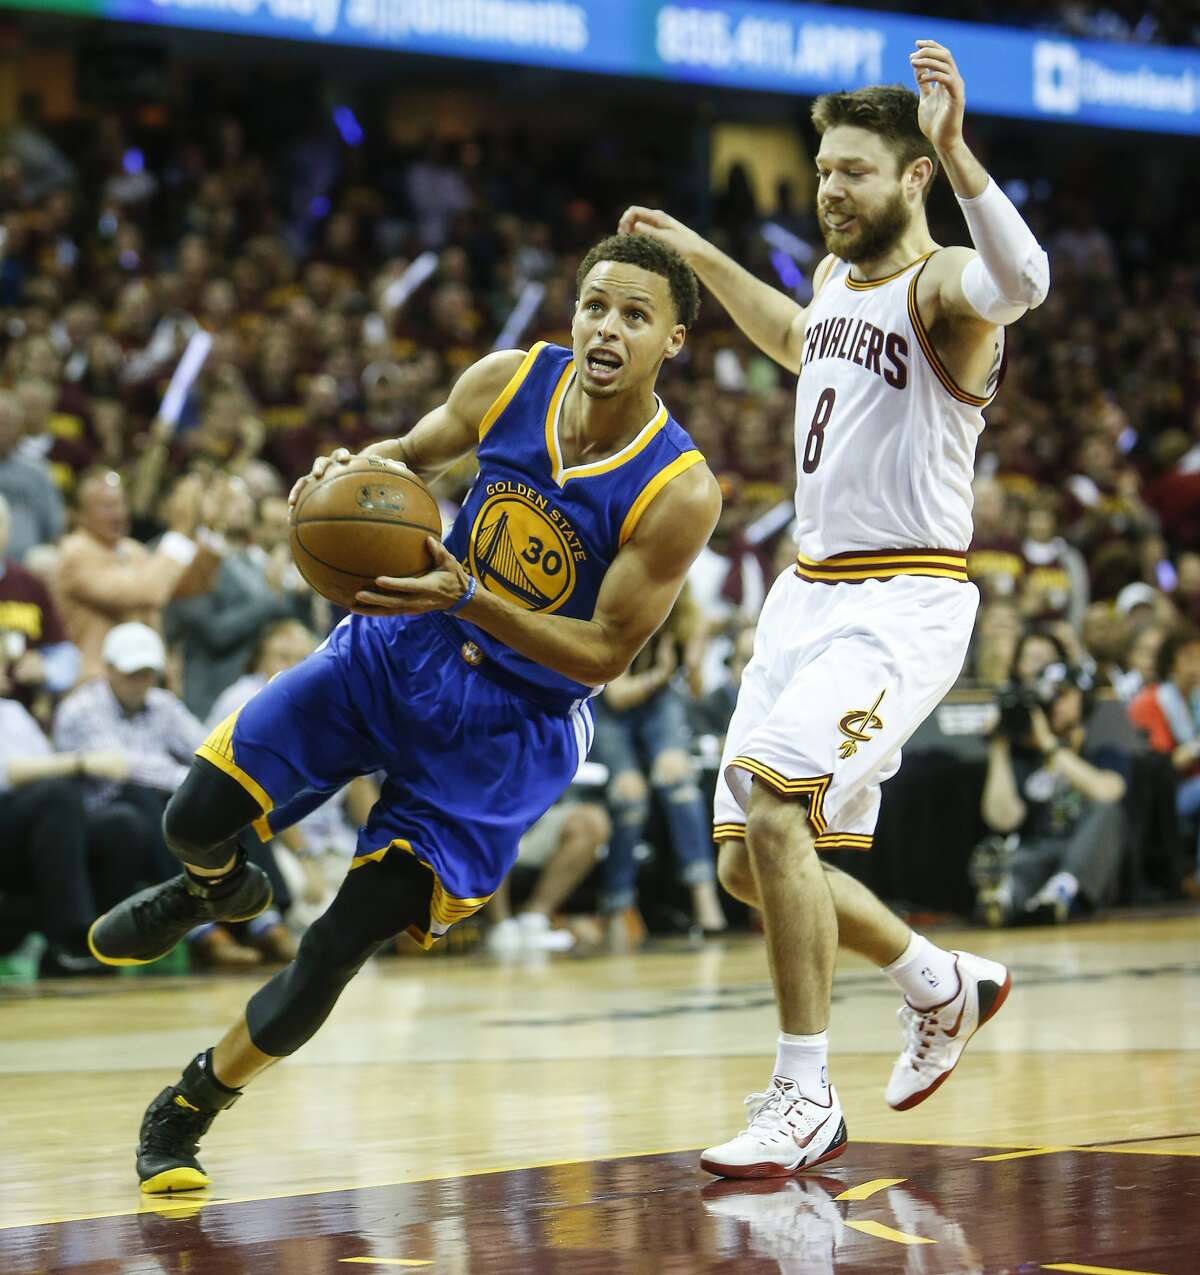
(472, 1116)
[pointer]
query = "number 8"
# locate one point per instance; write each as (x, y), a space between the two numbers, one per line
(816, 431)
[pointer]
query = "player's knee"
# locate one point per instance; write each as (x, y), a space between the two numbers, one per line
(776, 828)
(628, 796)
(180, 831)
(328, 955)
(672, 769)
(590, 823)
(734, 871)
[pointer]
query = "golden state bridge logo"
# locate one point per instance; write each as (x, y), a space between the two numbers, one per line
(523, 548)
(856, 725)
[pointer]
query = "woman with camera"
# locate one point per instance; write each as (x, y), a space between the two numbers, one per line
(1054, 800)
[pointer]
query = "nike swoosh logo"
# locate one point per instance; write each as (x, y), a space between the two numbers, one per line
(953, 1031)
(803, 1142)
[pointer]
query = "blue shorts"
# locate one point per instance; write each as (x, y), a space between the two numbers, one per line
(470, 763)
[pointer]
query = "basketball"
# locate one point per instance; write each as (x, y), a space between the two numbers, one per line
(362, 520)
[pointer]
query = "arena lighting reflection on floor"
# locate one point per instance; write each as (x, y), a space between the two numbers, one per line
(881, 1208)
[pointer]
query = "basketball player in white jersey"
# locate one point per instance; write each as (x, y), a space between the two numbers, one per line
(898, 353)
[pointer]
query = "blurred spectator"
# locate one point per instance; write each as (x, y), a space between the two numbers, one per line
(1054, 799)
(71, 860)
(1055, 581)
(34, 502)
(45, 839)
(561, 848)
(1168, 713)
(105, 578)
(994, 643)
(40, 659)
(43, 168)
(1142, 660)
(124, 712)
(219, 630)
(642, 737)
(995, 561)
(709, 714)
(1187, 595)
(323, 841)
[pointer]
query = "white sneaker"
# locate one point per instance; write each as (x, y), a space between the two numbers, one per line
(935, 1038)
(787, 1133)
(504, 937)
(537, 935)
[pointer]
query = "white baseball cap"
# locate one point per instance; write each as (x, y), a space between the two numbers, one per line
(1133, 595)
(131, 647)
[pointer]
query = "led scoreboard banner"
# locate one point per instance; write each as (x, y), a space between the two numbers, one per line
(770, 47)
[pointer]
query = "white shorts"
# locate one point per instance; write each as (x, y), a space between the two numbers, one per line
(842, 674)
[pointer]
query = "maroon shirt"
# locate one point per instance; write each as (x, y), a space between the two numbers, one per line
(26, 608)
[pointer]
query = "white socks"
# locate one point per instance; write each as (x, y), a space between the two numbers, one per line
(926, 974)
(803, 1059)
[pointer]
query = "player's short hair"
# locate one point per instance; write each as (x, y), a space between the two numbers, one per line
(650, 254)
(890, 110)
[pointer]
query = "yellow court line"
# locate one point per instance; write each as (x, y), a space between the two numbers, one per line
(1021, 1155)
(383, 1261)
(1092, 1270)
(865, 1190)
(199, 1199)
(882, 1232)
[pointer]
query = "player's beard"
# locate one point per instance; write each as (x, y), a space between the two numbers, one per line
(873, 236)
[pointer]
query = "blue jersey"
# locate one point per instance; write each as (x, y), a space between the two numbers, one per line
(541, 535)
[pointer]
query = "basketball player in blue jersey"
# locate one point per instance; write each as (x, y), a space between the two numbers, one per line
(468, 685)
(898, 353)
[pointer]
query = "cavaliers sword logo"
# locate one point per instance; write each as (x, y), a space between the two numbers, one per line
(855, 727)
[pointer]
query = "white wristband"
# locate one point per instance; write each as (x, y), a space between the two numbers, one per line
(176, 546)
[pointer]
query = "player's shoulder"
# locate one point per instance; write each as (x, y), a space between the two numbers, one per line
(823, 271)
(690, 498)
(944, 263)
(486, 379)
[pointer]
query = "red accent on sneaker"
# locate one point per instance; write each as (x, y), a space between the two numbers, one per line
(914, 1099)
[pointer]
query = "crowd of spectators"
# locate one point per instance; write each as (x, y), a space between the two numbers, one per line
(342, 298)
(1135, 21)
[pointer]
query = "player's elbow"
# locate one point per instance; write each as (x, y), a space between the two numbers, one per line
(1036, 279)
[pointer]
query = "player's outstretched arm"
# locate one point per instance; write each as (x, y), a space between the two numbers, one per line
(635, 598)
(442, 436)
(1008, 273)
(770, 318)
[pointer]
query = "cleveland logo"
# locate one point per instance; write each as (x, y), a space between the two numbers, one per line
(855, 726)
(523, 548)
(858, 341)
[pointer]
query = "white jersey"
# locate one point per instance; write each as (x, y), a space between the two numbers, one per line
(885, 440)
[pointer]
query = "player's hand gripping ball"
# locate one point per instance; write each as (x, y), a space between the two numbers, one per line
(361, 519)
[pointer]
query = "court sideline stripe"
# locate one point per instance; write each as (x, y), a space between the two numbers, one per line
(182, 1201)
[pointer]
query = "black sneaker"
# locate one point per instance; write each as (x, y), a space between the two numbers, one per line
(172, 1128)
(147, 925)
(60, 962)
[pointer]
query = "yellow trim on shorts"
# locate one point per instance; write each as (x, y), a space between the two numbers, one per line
(506, 394)
(445, 909)
(844, 841)
(679, 465)
(853, 567)
(813, 788)
(218, 750)
(729, 832)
